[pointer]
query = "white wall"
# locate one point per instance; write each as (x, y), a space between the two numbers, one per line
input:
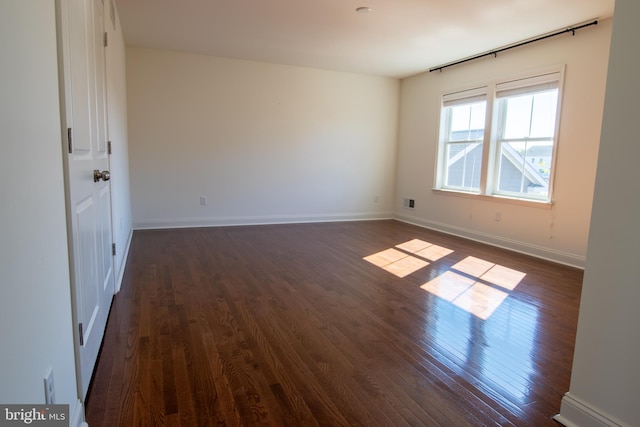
(35, 308)
(605, 381)
(559, 233)
(265, 143)
(119, 161)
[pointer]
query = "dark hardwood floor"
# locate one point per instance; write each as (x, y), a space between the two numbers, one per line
(290, 325)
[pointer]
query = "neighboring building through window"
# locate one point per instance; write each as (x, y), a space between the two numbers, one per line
(515, 123)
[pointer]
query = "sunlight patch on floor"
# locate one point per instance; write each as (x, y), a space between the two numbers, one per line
(414, 245)
(477, 298)
(504, 277)
(449, 285)
(481, 300)
(424, 249)
(471, 284)
(473, 266)
(396, 262)
(386, 257)
(405, 266)
(434, 252)
(479, 279)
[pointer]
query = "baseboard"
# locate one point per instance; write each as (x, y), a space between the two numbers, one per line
(76, 416)
(548, 254)
(575, 412)
(123, 264)
(256, 220)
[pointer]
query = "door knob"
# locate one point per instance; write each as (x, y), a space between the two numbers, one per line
(104, 175)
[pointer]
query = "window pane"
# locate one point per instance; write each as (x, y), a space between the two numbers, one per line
(467, 121)
(531, 116)
(543, 117)
(525, 168)
(518, 116)
(464, 162)
(538, 156)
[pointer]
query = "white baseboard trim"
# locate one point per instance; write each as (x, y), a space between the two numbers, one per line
(575, 412)
(123, 264)
(76, 416)
(145, 224)
(548, 254)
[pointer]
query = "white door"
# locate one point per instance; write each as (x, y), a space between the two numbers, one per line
(87, 177)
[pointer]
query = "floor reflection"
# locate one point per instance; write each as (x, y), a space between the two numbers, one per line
(464, 320)
(481, 300)
(499, 351)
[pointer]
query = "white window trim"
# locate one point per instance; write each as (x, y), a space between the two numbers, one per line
(541, 204)
(487, 179)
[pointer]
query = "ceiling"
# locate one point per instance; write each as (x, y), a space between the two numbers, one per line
(398, 38)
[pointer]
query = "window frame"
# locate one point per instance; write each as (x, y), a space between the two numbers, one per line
(491, 149)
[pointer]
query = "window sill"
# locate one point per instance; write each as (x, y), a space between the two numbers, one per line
(496, 199)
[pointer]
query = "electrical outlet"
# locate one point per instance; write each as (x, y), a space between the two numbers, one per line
(376, 198)
(49, 388)
(498, 216)
(204, 201)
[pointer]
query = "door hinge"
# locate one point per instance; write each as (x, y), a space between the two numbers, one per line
(113, 249)
(108, 147)
(106, 39)
(81, 334)
(69, 140)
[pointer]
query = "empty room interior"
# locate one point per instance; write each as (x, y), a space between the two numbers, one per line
(336, 213)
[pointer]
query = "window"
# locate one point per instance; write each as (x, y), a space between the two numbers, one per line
(502, 144)
(463, 136)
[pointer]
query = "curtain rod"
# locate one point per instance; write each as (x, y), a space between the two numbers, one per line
(502, 49)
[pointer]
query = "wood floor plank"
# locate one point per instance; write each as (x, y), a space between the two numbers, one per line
(291, 325)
